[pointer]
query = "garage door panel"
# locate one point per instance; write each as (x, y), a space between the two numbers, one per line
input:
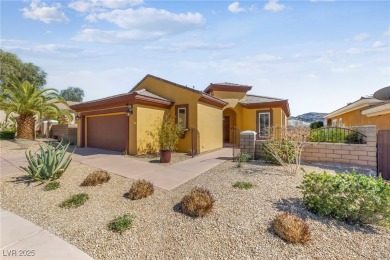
(107, 132)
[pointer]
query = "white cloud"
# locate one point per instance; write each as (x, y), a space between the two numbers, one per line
(387, 33)
(361, 37)
(183, 46)
(346, 69)
(378, 45)
(45, 13)
(84, 6)
(152, 19)
(274, 6)
(122, 36)
(235, 8)
(266, 58)
(140, 24)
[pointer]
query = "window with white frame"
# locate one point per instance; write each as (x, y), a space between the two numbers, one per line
(340, 122)
(182, 117)
(334, 122)
(264, 124)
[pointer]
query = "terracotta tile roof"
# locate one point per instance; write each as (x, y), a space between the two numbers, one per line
(144, 92)
(253, 99)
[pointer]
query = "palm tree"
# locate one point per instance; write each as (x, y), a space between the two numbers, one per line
(28, 101)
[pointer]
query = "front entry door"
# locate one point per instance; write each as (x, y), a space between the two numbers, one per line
(226, 129)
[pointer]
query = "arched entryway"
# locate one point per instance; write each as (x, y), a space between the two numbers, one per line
(229, 121)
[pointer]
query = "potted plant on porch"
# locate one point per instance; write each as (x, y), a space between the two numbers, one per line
(168, 133)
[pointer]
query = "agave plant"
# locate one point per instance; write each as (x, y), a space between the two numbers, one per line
(47, 163)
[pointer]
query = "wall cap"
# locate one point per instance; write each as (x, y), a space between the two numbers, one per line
(248, 132)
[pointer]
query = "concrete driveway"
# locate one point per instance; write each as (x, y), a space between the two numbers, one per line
(165, 177)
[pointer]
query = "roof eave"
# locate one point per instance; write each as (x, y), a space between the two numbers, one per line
(282, 104)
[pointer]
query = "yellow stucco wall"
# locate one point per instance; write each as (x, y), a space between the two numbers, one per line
(180, 96)
(249, 118)
(210, 127)
(146, 120)
(355, 118)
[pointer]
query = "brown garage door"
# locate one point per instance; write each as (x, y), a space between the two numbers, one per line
(108, 132)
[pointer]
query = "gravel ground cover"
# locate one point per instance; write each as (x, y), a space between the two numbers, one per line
(238, 227)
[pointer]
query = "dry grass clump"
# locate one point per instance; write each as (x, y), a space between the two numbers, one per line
(95, 178)
(141, 189)
(291, 228)
(198, 203)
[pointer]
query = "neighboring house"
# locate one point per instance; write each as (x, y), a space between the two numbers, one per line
(365, 111)
(74, 114)
(122, 122)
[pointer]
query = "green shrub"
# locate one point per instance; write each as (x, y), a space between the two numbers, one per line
(75, 201)
(7, 135)
(284, 148)
(351, 197)
(244, 157)
(47, 164)
(243, 185)
(334, 135)
(120, 224)
(52, 185)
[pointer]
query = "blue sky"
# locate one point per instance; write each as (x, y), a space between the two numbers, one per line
(318, 54)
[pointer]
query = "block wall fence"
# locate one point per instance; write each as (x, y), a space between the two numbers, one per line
(65, 132)
(332, 153)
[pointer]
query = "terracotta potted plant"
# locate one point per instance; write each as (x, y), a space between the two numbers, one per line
(168, 133)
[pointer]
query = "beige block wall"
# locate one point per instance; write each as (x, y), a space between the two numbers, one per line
(65, 132)
(351, 154)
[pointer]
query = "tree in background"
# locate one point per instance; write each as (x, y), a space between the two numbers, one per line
(28, 101)
(72, 94)
(14, 69)
(316, 124)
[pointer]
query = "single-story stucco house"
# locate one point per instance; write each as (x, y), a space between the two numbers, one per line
(122, 122)
(365, 111)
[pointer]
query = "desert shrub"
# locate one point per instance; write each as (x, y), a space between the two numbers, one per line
(351, 197)
(198, 203)
(291, 228)
(244, 157)
(95, 178)
(141, 189)
(120, 224)
(75, 201)
(243, 185)
(48, 162)
(7, 135)
(52, 185)
(284, 148)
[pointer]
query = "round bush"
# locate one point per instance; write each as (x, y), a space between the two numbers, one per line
(291, 228)
(285, 150)
(7, 135)
(141, 189)
(95, 178)
(198, 203)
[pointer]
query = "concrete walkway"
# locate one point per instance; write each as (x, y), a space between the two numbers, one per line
(165, 177)
(21, 239)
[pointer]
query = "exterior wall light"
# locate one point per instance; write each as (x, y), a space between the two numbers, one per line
(129, 110)
(77, 117)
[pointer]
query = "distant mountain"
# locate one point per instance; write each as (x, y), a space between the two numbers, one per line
(306, 119)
